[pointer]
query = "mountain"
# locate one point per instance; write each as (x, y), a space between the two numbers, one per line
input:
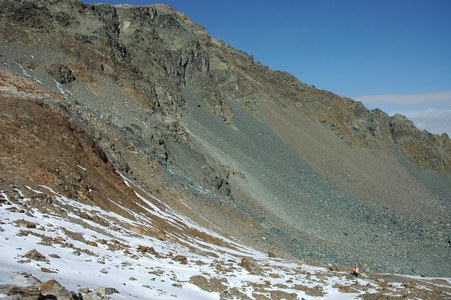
(93, 94)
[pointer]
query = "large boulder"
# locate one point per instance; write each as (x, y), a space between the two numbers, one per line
(251, 265)
(54, 288)
(25, 278)
(61, 73)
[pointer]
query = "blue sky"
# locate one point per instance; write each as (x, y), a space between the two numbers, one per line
(391, 54)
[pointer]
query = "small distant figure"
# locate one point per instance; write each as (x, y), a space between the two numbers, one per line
(355, 270)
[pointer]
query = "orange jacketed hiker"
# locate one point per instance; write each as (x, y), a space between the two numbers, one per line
(355, 270)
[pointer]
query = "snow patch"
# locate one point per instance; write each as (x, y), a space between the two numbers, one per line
(84, 169)
(88, 246)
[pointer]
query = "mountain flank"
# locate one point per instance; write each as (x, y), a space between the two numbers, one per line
(273, 162)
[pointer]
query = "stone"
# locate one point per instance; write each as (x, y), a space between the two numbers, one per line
(60, 239)
(271, 254)
(344, 288)
(235, 293)
(316, 291)
(94, 296)
(34, 255)
(84, 290)
(12, 209)
(19, 293)
(283, 295)
(92, 243)
(88, 252)
(182, 259)
(61, 73)
(106, 291)
(47, 270)
(85, 216)
(26, 278)
(409, 284)
(25, 224)
(251, 265)
(382, 283)
(54, 288)
(209, 285)
(336, 269)
(145, 249)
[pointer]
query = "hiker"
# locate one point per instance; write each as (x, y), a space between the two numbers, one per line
(355, 270)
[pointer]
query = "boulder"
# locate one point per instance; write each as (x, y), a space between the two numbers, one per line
(34, 255)
(17, 292)
(84, 290)
(53, 288)
(25, 278)
(283, 295)
(410, 284)
(25, 224)
(61, 73)
(94, 296)
(251, 265)
(271, 254)
(47, 270)
(182, 259)
(209, 285)
(106, 291)
(146, 249)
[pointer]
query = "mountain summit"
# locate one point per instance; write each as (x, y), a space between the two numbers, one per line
(265, 159)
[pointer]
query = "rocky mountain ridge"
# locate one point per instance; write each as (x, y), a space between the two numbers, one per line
(175, 44)
(231, 138)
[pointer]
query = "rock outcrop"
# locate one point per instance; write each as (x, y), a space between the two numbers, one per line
(32, 288)
(61, 73)
(251, 265)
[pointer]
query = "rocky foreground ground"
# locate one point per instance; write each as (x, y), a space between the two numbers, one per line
(56, 247)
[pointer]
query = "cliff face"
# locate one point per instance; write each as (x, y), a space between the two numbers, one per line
(309, 174)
